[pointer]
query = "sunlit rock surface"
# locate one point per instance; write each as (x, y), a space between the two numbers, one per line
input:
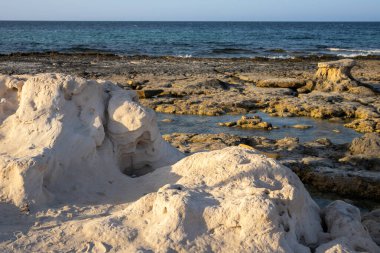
(88, 169)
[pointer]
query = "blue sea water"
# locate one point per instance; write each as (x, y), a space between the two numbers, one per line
(194, 39)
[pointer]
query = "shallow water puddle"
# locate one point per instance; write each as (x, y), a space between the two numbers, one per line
(336, 132)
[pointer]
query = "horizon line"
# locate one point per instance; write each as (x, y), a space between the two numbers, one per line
(237, 21)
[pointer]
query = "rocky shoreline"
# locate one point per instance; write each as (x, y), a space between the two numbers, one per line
(218, 86)
(84, 168)
(343, 91)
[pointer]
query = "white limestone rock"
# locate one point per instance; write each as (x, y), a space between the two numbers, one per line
(66, 137)
(345, 230)
(231, 200)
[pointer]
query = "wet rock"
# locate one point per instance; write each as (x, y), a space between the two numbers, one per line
(254, 122)
(228, 124)
(148, 93)
(167, 120)
(301, 126)
(324, 141)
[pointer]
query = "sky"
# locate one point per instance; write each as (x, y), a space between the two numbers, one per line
(192, 10)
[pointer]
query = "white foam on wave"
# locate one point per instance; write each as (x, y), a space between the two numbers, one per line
(280, 57)
(355, 52)
(185, 56)
(353, 55)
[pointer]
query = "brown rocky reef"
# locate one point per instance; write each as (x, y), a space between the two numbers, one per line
(332, 93)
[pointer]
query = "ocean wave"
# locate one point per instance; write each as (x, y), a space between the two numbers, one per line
(184, 56)
(85, 49)
(276, 50)
(354, 52)
(352, 55)
(322, 46)
(231, 50)
(280, 57)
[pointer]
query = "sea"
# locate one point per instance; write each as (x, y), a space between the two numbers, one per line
(275, 40)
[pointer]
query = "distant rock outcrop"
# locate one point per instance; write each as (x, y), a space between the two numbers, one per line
(335, 71)
(336, 76)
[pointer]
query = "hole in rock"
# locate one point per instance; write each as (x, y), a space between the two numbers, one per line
(134, 161)
(138, 171)
(324, 225)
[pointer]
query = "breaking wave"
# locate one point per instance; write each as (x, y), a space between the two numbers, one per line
(346, 52)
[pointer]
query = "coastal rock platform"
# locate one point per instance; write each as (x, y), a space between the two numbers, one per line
(84, 168)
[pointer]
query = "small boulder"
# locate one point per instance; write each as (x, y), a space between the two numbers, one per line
(254, 122)
(301, 126)
(148, 93)
(368, 145)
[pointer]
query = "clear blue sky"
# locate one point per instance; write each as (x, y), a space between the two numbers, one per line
(197, 10)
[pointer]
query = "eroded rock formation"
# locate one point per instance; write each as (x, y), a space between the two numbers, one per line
(64, 134)
(335, 71)
(336, 76)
